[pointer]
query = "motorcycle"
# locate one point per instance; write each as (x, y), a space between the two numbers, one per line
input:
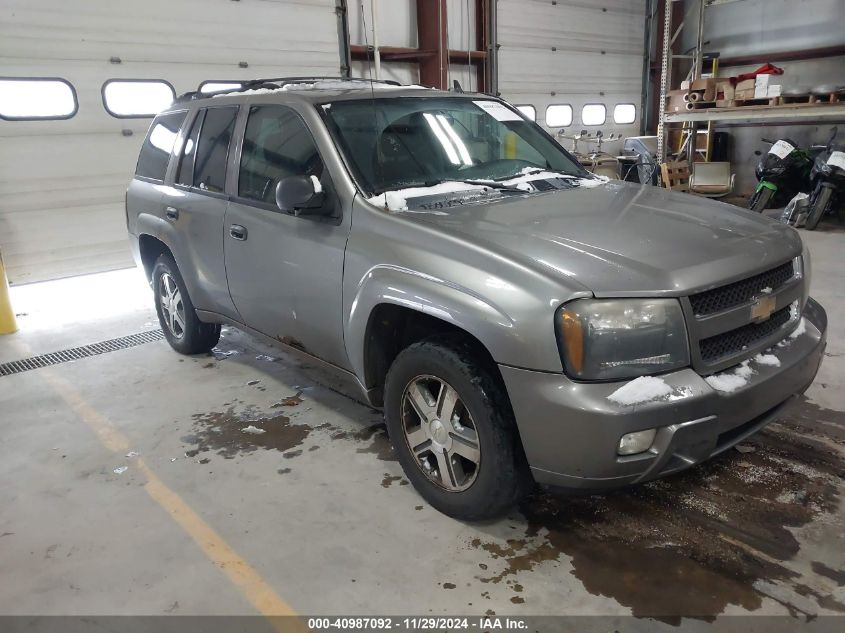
(783, 170)
(828, 179)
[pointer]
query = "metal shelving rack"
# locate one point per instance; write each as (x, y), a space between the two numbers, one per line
(790, 113)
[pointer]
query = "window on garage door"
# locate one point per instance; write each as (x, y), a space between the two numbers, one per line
(559, 115)
(594, 114)
(136, 98)
(213, 148)
(276, 145)
(155, 152)
(528, 110)
(624, 113)
(34, 98)
(210, 86)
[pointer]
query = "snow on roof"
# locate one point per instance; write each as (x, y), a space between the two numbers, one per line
(333, 84)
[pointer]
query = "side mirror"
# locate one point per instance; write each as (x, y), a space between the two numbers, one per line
(300, 195)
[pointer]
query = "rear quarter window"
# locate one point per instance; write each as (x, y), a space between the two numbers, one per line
(157, 147)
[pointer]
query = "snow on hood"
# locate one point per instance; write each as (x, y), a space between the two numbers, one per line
(398, 200)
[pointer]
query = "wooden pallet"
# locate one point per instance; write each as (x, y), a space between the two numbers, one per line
(675, 175)
(832, 97)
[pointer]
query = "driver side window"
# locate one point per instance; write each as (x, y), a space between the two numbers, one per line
(277, 144)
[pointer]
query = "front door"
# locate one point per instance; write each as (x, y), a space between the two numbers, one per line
(285, 272)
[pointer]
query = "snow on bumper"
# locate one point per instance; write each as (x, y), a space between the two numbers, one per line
(571, 430)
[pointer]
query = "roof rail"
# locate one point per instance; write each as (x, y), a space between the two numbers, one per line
(275, 83)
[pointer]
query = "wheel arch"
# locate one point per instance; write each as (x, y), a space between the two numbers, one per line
(151, 248)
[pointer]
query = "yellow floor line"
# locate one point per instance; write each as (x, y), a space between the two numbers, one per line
(239, 572)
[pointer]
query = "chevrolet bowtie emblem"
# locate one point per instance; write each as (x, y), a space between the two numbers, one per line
(762, 308)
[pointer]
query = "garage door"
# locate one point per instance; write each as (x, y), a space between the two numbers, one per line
(582, 58)
(62, 182)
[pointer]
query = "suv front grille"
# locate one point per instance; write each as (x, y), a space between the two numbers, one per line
(734, 341)
(739, 292)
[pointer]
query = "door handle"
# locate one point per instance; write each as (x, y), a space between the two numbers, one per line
(171, 212)
(238, 232)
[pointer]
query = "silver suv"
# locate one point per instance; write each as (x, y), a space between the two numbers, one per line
(518, 319)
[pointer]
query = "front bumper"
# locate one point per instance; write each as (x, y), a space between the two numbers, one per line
(570, 430)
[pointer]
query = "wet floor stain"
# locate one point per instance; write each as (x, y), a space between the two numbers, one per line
(448, 585)
(694, 543)
(380, 445)
(389, 480)
(290, 401)
(221, 432)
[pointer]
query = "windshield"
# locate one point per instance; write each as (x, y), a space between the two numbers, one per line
(405, 142)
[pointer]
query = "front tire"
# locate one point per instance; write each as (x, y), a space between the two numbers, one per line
(179, 321)
(760, 200)
(451, 424)
(819, 208)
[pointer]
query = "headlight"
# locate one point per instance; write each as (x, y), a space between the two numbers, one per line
(607, 339)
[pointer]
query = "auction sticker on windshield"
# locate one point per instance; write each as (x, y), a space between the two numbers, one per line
(498, 111)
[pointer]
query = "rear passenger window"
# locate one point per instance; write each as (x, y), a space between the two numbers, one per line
(213, 148)
(155, 152)
(185, 175)
(276, 145)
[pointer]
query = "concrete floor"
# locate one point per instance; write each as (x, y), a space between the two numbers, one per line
(315, 515)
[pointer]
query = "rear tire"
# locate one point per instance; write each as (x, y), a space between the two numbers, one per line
(760, 200)
(452, 427)
(819, 208)
(179, 321)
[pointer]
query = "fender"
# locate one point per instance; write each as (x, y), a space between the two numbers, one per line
(492, 324)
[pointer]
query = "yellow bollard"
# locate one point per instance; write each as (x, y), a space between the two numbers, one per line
(7, 315)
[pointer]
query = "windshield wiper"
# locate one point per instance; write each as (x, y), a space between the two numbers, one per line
(539, 170)
(492, 184)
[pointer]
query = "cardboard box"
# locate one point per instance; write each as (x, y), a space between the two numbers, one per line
(774, 90)
(744, 95)
(724, 90)
(707, 86)
(745, 84)
(685, 84)
(675, 101)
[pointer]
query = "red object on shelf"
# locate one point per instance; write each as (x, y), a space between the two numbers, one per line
(765, 69)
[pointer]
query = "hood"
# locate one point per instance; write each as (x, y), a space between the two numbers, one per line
(622, 239)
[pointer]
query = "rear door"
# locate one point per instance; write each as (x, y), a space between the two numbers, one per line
(285, 272)
(195, 206)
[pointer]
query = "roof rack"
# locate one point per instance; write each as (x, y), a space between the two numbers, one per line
(277, 82)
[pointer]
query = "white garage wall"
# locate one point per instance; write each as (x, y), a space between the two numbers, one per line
(62, 183)
(598, 57)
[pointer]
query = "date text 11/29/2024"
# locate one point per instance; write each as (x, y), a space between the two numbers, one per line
(427, 623)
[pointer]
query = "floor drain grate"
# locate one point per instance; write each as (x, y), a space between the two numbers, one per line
(76, 353)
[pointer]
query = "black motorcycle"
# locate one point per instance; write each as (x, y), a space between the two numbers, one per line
(828, 181)
(783, 170)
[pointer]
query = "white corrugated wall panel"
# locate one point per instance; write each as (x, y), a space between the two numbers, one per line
(62, 182)
(597, 56)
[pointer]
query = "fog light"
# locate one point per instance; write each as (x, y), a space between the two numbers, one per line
(638, 442)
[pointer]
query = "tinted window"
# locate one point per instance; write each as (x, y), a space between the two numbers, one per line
(185, 175)
(214, 138)
(29, 99)
(155, 153)
(276, 145)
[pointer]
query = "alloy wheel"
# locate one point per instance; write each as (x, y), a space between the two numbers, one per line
(172, 306)
(441, 433)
